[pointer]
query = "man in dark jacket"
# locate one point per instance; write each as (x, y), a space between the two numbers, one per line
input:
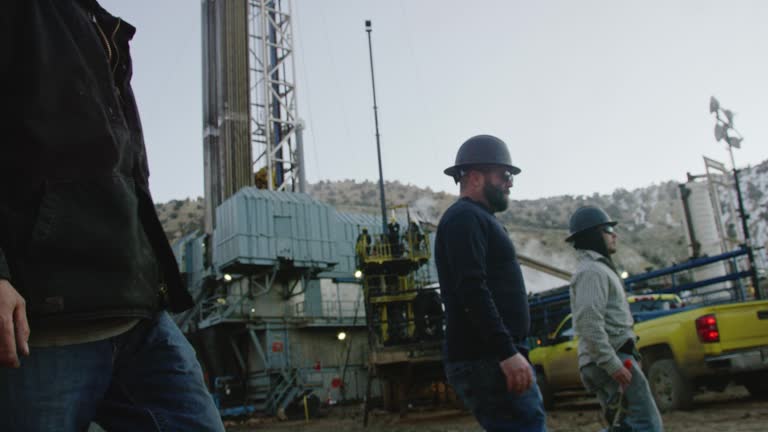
(486, 305)
(84, 261)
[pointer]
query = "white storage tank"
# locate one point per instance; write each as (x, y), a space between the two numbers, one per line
(702, 218)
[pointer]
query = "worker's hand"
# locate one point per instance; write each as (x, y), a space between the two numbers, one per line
(623, 376)
(14, 330)
(518, 373)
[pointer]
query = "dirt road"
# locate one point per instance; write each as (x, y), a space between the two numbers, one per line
(731, 411)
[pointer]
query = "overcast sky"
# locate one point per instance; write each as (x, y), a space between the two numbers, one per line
(589, 95)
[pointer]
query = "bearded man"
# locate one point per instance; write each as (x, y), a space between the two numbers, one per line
(482, 288)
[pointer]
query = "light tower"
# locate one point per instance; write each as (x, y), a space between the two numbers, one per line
(382, 197)
(724, 130)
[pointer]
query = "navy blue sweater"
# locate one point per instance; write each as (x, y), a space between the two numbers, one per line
(486, 306)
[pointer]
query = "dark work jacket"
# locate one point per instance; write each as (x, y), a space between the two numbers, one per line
(481, 284)
(79, 237)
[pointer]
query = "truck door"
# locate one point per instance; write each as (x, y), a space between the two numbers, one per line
(564, 368)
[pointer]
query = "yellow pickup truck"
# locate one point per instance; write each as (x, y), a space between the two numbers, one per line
(689, 348)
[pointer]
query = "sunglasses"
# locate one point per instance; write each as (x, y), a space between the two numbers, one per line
(608, 229)
(505, 175)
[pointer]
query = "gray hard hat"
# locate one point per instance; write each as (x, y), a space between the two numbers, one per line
(481, 150)
(585, 218)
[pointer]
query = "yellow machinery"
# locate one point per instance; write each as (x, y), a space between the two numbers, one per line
(393, 280)
(403, 310)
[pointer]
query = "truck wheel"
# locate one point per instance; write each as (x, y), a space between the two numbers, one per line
(547, 395)
(670, 389)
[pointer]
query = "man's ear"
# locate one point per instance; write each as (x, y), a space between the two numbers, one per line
(476, 178)
(466, 181)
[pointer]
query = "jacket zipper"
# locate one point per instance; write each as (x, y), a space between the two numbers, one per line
(117, 51)
(104, 40)
(109, 46)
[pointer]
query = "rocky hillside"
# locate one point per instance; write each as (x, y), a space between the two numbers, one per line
(180, 217)
(651, 228)
(649, 217)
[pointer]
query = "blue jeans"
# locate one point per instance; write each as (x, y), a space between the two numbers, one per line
(147, 379)
(641, 414)
(482, 387)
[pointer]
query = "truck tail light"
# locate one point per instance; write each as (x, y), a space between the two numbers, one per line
(706, 327)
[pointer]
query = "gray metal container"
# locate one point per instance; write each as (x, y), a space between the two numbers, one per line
(257, 228)
(189, 252)
(179, 248)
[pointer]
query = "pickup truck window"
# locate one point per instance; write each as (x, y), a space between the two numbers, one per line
(566, 331)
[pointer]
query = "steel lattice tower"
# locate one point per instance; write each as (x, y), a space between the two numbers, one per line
(252, 133)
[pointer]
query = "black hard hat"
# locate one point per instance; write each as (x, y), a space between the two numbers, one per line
(482, 150)
(585, 218)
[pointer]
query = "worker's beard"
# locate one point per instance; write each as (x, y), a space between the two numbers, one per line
(497, 199)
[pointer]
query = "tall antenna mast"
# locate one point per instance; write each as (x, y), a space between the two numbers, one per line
(378, 139)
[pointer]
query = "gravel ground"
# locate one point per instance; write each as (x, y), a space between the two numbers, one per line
(731, 411)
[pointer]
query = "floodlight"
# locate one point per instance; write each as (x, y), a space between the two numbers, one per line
(714, 105)
(729, 115)
(719, 131)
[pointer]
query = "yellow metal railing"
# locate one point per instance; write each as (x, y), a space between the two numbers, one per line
(408, 247)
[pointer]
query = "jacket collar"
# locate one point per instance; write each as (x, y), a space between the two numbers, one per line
(127, 31)
(590, 255)
(477, 203)
(92, 6)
